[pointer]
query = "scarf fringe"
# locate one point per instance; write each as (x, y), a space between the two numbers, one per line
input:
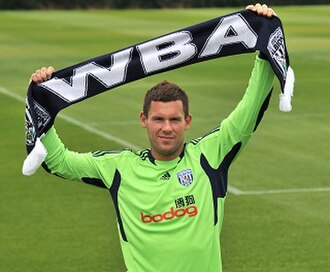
(35, 158)
(286, 96)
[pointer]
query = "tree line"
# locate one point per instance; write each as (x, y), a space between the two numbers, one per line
(122, 4)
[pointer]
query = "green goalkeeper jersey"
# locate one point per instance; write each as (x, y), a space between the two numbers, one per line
(170, 213)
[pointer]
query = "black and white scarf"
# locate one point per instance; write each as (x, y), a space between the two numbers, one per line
(236, 33)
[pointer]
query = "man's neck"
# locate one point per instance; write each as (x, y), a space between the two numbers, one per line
(168, 157)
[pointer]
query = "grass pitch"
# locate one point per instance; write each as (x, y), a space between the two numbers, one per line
(278, 217)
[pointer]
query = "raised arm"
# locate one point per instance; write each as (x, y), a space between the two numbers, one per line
(235, 130)
(68, 164)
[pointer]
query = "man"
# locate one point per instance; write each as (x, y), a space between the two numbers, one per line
(169, 199)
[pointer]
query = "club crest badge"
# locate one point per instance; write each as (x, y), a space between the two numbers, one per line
(185, 177)
(276, 48)
(42, 119)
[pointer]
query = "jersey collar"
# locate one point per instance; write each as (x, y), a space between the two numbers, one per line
(147, 154)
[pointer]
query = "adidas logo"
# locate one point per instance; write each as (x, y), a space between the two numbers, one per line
(166, 176)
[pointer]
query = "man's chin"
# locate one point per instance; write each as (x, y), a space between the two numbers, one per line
(169, 151)
(166, 151)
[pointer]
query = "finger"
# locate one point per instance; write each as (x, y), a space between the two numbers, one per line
(264, 10)
(43, 73)
(271, 12)
(258, 8)
(49, 71)
(33, 78)
(38, 76)
(251, 7)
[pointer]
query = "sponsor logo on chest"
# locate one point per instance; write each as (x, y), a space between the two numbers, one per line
(184, 207)
(191, 211)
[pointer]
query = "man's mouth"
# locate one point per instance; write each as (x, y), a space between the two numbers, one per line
(164, 137)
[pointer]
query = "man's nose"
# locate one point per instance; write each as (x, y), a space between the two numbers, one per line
(167, 126)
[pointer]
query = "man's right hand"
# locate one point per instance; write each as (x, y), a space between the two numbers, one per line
(42, 74)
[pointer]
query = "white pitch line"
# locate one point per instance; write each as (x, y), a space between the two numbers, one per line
(107, 136)
(78, 123)
(234, 190)
(284, 191)
(12, 95)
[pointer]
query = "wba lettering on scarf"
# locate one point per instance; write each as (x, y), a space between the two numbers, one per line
(154, 56)
(237, 33)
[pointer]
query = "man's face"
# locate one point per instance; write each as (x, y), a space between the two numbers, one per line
(166, 125)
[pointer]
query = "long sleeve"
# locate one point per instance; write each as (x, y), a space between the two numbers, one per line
(235, 130)
(69, 164)
(248, 112)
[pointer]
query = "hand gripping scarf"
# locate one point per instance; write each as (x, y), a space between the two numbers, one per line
(236, 33)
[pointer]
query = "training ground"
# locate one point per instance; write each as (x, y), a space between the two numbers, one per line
(277, 211)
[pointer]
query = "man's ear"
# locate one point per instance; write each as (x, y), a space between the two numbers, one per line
(188, 121)
(143, 119)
